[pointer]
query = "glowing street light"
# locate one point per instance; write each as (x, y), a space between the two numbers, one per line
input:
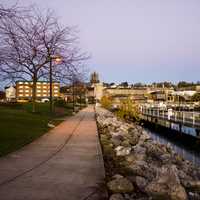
(58, 60)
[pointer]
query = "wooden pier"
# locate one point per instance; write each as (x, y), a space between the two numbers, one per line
(184, 122)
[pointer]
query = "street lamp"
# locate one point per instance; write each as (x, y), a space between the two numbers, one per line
(73, 91)
(57, 60)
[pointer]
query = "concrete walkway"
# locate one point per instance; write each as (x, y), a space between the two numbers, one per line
(64, 164)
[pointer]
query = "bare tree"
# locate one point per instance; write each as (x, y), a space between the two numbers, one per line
(29, 45)
(8, 12)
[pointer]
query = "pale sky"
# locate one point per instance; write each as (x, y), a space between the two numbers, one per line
(134, 40)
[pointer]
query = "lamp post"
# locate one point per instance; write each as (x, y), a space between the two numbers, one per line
(57, 59)
(73, 90)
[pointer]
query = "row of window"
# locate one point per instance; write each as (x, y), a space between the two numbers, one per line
(38, 91)
(39, 95)
(22, 86)
(38, 83)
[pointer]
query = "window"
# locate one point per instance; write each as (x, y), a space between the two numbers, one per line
(20, 95)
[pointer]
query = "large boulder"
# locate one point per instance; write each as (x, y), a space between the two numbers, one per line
(120, 185)
(122, 151)
(141, 183)
(144, 136)
(116, 197)
(167, 185)
(141, 168)
(126, 143)
(155, 150)
(117, 140)
(137, 154)
(140, 152)
(133, 137)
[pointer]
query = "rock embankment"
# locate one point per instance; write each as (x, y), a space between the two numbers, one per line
(139, 168)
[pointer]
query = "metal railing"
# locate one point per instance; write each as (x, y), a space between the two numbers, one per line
(189, 118)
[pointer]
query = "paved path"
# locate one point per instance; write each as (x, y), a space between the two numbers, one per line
(65, 164)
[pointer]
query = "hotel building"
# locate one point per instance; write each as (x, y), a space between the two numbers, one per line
(24, 90)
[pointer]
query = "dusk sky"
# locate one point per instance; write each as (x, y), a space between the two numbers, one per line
(134, 40)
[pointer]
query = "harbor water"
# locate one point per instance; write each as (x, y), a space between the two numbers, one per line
(185, 150)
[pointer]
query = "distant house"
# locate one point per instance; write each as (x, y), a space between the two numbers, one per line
(183, 95)
(10, 93)
(198, 88)
(158, 96)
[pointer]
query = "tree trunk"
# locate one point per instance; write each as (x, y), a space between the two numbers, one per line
(34, 93)
(80, 101)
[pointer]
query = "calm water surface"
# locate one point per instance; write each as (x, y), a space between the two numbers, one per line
(181, 149)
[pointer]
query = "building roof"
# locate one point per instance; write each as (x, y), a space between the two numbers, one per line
(37, 81)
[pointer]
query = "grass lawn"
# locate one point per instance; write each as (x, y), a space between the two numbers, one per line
(18, 126)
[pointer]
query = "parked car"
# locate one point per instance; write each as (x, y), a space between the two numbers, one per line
(45, 100)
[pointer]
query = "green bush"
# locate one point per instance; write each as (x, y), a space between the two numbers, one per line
(106, 102)
(128, 110)
(196, 97)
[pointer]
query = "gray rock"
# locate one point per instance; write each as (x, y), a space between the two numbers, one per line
(120, 185)
(118, 133)
(117, 140)
(141, 168)
(128, 197)
(167, 185)
(145, 136)
(133, 138)
(117, 176)
(131, 158)
(154, 150)
(116, 197)
(166, 158)
(140, 152)
(141, 183)
(122, 151)
(126, 143)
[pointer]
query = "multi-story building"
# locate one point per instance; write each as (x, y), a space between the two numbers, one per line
(24, 90)
(10, 93)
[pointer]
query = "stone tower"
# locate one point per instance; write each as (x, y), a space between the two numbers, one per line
(94, 78)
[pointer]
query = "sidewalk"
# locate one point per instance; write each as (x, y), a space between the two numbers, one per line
(65, 164)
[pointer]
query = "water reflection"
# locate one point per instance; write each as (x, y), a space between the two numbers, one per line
(190, 155)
